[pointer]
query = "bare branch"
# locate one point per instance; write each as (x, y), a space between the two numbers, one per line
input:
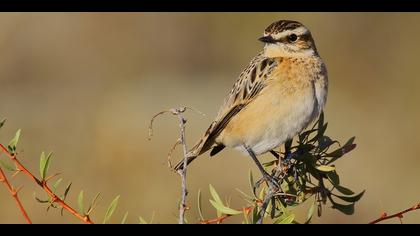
(181, 141)
(398, 215)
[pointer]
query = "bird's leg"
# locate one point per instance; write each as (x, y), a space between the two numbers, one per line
(275, 154)
(287, 149)
(270, 180)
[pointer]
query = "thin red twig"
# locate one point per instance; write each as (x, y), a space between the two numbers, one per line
(220, 219)
(14, 194)
(43, 184)
(398, 215)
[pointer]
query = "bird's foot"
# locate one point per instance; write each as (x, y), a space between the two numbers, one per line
(272, 182)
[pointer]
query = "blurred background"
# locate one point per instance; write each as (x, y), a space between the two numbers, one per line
(85, 85)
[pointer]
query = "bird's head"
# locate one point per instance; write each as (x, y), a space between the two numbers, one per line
(287, 38)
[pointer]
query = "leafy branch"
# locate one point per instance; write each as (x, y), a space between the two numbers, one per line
(54, 201)
(305, 170)
(43, 182)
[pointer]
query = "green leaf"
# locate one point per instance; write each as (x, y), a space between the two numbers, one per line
(153, 218)
(350, 141)
(246, 219)
(13, 143)
(124, 218)
(270, 163)
(44, 164)
(351, 199)
(251, 183)
(2, 123)
(142, 221)
(215, 195)
(246, 196)
(66, 192)
(346, 209)
(224, 209)
(325, 142)
(334, 178)
(310, 213)
(344, 190)
(255, 214)
(261, 194)
(321, 119)
(6, 166)
(111, 209)
(93, 204)
(80, 202)
(325, 168)
(55, 185)
(40, 200)
(200, 210)
(286, 220)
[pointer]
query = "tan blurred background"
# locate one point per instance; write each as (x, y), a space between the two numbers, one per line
(85, 86)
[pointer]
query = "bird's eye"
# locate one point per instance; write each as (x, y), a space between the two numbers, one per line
(292, 37)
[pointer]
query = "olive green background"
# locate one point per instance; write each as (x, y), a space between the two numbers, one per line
(85, 86)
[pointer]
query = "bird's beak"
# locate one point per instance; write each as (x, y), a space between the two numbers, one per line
(267, 39)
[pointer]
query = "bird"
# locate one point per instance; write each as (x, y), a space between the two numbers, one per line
(282, 90)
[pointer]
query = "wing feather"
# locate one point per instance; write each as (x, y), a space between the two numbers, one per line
(249, 84)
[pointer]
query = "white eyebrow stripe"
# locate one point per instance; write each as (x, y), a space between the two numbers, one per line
(299, 31)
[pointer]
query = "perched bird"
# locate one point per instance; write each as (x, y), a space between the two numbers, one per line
(281, 91)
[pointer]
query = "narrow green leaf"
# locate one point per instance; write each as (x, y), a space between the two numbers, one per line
(350, 141)
(124, 218)
(153, 218)
(252, 183)
(66, 192)
(111, 209)
(6, 166)
(80, 203)
(270, 163)
(40, 200)
(310, 213)
(340, 152)
(13, 143)
(334, 178)
(351, 199)
(93, 204)
(246, 196)
(200, 210)
(261, 194)
(55, 185)
(44, 164)
(255, 215)
(2, 123)
(346, 209)
(286, 220)
(142, 221)
(246, 219)
(325, 168)
(344, 190)
(224, 209)
(215, 195)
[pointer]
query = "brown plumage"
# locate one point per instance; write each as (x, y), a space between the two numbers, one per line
(276, 96)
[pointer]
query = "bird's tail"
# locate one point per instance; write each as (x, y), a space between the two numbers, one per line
(201, 147)
(180, 165)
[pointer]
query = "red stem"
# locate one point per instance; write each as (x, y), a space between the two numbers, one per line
(44, 186)
(14, 194)
(396, 215)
